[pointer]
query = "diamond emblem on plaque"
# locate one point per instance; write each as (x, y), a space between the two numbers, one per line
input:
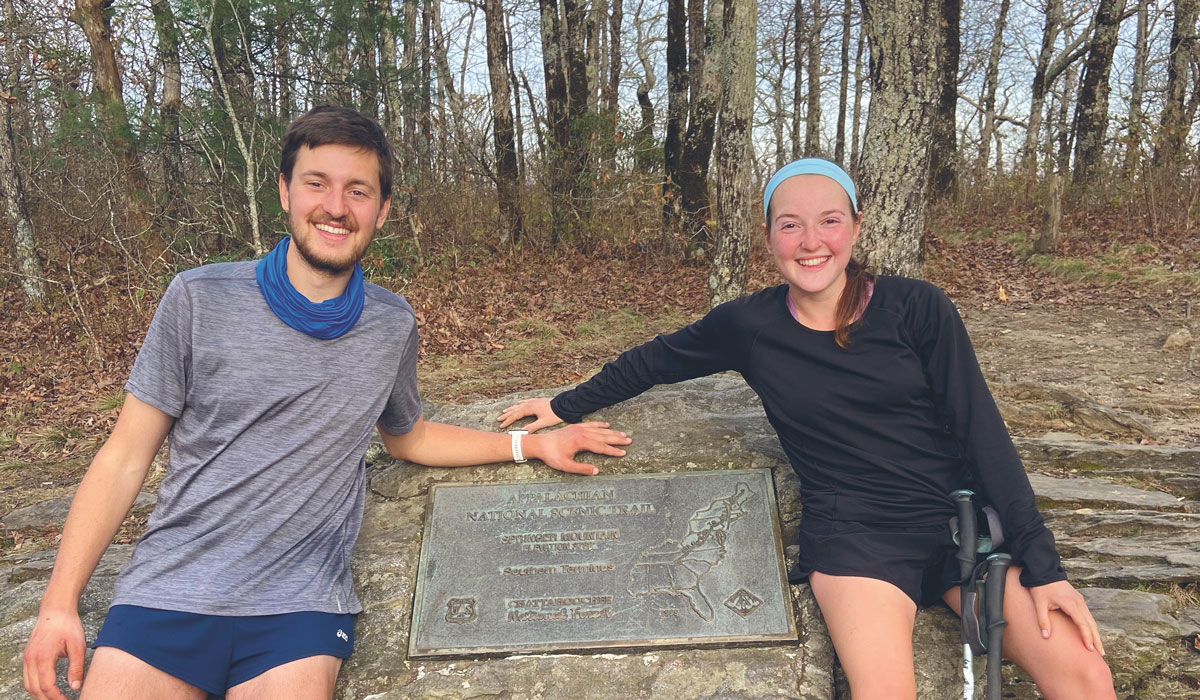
(460, 610)
(743, 602)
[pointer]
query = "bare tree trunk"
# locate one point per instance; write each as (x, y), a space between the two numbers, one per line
(906, 62)
(695, 198)
(595, 56)
(365, 80)
(516, 93)
(1065, 131)
(1173, 126)
(245, 146)
(856, 115)
(1091, 110)
(24, 242)
(839, 141)
(434, 52)
(812, 117)
(167, 34)
(1054, 13)
(776, 79)
(91, 17)
(338, 85)
(988, 98)
(735, 153)
(539, 124)
(1048, 237)
(502, 123)
(616, 18)
(678, 81)
(644, 146)
(1137, 117)
(409, 86)
(799, 31)
(389, 75)
(943, 157)
(558, 116)
(283, 60)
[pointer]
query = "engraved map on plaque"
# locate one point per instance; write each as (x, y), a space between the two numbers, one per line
(603, 562)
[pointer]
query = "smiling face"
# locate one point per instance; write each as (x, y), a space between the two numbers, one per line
(811, 232)
(334, 205)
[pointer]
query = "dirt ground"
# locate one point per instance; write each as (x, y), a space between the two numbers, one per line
(1111, 354)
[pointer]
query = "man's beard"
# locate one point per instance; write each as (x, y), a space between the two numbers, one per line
(315, 261)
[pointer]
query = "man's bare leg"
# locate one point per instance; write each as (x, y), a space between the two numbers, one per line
(310, 678)
(119, 675)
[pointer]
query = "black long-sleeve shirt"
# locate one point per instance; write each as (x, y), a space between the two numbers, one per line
(880, 432)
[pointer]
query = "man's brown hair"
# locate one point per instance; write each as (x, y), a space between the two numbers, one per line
(325, 125)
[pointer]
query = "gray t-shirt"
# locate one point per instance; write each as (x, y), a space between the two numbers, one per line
(263, 496)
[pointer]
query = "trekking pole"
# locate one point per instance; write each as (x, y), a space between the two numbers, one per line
(966, 566)
(993, 601)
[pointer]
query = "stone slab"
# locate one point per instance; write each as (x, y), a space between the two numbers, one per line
(687, 558)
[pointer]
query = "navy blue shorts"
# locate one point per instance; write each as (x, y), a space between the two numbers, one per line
(919, 560)
(216, 652)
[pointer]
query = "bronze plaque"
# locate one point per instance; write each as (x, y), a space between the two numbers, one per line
(687, 558)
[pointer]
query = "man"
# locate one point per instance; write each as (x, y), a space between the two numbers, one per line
(269, 377)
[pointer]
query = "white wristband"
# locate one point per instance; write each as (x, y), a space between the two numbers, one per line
(518, 455)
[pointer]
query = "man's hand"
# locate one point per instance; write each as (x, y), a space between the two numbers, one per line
(56, 634)
(530, 407)
(559, 447)
(1061, 595)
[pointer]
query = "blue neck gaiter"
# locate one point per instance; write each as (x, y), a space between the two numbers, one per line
(331, 318)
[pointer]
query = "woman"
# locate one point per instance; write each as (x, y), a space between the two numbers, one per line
(878, 401)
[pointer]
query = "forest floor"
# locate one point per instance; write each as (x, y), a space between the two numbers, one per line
(1086, 326)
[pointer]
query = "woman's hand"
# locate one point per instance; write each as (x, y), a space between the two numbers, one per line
(558, 448)
(1061, 595)
(530, 407)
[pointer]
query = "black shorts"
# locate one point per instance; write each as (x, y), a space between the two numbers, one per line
(919, 560)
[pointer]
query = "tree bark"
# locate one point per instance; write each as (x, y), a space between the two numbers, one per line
(1050, 30)
(695, 199)
(167, 34)
(389, 75)
(798, 34)
(559, 117)
(512, 221)
(283, 60)
(678, 81)
(988, 98)
(91, 16)
(943, 163)
(856, 114)
(1091, 109)
(245, 145)
(735, 153)
(1048, 237)
(839, 141)
(1137, 91)
(615, 20)
(906, 62)
(24, 242)
(643, 156)
(812, 117)
(409, 87)
(1173, 127)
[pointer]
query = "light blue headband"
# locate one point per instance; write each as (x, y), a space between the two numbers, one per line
(810, 166)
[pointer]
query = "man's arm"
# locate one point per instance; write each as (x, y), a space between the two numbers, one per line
(101, 503)
(442, 445)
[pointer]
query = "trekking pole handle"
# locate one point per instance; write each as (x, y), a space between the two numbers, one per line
(967, 533)
(993, 602)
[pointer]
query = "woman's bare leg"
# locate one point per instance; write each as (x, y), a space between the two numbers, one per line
(871, 623)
